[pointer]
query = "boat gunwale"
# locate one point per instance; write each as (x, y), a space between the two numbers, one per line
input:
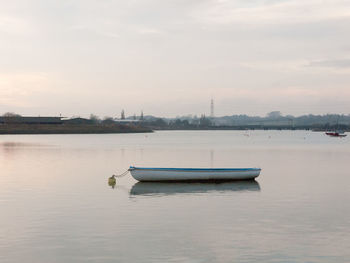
(195, 169)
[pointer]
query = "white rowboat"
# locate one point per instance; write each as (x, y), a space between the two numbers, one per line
(193, 174)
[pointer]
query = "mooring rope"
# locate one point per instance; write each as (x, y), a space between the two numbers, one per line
(122, 174)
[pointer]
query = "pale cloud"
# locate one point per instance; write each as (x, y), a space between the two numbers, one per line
(333, 66)
(290, 92)
(276, 12)
(98, 32)
(277, 66)
(149, 31)
(16, 87)
(332, 63)
(301, 92)
(14, 25)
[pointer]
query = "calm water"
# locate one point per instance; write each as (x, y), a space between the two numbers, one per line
(56, 205)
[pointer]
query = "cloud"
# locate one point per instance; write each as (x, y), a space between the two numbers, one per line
(15, 25)
(286, 93)
(276, 66)
(149, 31)
(335, 63)
(280, 12)
(300, 66)
(17, 87)
(93, 30)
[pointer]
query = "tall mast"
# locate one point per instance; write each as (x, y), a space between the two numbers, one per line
(212, 108)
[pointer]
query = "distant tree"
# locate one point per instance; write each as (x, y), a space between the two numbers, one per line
(160, 122)
(195, 120)
(122, 115)
(10, 117)
(94, 118)
(134, 117)
(177, 122)
(108, 120)
(204, 121)
(185, 123)
(274, 114)
(141, 117)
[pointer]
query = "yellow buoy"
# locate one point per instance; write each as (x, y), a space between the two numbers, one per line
(112, 181)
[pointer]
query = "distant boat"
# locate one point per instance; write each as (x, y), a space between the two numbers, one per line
(144, 174)
(336, 134)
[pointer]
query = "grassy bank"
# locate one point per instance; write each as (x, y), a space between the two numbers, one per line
(69, 129)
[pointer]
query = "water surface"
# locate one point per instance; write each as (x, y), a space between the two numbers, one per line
(56, 204)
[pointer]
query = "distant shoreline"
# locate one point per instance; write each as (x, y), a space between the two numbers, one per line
(243, 128)
(8, 129)
(70, 129)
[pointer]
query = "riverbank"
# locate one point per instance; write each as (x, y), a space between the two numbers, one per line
(248, 127)
(70, 129)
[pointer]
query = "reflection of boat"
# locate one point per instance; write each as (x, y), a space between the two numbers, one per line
(336, 134)
(193, 174)
(163, 188)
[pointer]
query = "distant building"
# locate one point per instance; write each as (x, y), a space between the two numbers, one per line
(31, 120)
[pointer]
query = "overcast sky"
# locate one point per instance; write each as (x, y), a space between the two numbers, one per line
(170, 57)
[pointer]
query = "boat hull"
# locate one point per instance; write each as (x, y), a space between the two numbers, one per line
(193, 174)
(336, 134)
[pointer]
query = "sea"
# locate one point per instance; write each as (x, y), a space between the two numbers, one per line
(56, 204)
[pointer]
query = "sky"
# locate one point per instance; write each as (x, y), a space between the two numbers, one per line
(170, 57)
